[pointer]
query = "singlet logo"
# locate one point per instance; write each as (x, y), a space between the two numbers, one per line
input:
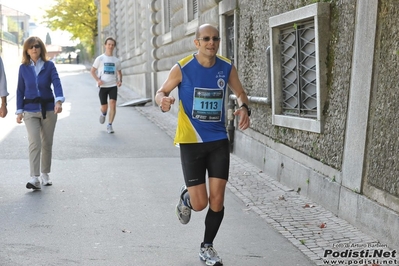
(221, 83)
(220, 75)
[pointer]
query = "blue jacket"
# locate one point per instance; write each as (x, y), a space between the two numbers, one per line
(32, 86)
(3, 80)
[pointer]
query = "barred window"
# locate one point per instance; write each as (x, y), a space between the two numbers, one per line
(298, 70)
(299, 41)
(195, 9)
(192, 10)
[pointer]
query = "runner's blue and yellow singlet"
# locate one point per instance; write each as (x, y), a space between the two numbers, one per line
(202, 92)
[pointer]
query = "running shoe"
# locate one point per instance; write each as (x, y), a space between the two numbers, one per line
(34, 183)
(102, 119)
(182, 211)
(110, 129)
(209, 255)
(46, 180)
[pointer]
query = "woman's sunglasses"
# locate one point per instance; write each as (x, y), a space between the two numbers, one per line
(35, 46)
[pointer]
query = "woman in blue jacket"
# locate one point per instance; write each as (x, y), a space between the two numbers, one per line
(3, 90)
(38, 105)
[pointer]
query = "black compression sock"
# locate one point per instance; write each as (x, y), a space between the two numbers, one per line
(213, 221)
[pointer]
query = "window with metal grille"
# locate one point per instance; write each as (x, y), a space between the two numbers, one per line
(192, 10)
(298, 70)
(298, 55)
(195, 9)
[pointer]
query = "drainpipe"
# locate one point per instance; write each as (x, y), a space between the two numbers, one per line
(269, 76)
(230, 117)
(252, 99)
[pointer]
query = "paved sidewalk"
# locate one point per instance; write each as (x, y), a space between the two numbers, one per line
(311, 228)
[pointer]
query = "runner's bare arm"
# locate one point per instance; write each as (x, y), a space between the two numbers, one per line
(236, 86)
(162, 97)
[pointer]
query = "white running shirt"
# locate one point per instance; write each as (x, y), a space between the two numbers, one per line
(107, 69)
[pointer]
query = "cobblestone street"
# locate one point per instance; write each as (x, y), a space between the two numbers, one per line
(311, 228)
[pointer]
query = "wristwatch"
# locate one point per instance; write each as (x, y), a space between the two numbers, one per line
(246, 107)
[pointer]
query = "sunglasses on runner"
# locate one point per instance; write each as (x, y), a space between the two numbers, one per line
(35, 46)
(207, 39)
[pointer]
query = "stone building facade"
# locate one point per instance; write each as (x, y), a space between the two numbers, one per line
(322, 80)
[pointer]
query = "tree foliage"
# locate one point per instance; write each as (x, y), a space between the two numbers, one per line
(79, 17)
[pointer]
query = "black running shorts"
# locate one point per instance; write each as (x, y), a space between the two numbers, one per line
(104, 92)
(197, 158)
